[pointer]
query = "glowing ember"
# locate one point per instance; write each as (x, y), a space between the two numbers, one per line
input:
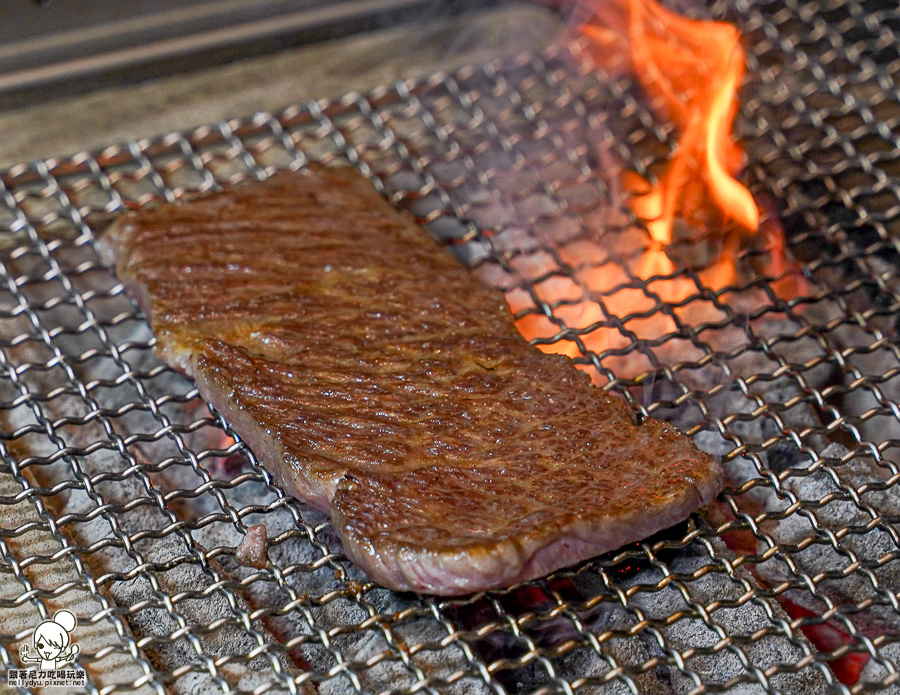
(611, 303)
(691, 71)
(628, 287)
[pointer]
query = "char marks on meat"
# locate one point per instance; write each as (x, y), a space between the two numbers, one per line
(377, 379)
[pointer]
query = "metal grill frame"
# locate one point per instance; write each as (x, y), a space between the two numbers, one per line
(58, 293)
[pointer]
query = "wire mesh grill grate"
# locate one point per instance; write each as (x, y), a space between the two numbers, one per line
(125, 497)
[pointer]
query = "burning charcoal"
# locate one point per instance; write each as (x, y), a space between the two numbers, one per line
(117, 668)
(871, 395)
(520, 170)
(627, 653)
(712, 442)
(335, 597)
(886, 666)
(436, 665)
(585, 662)
(171, 563)
(871, 373)
(753, 430)
(186, 575)
(830, 490)
(700, 581)
(178, 571)
(390, 655)
(567, 637)
(229, 466)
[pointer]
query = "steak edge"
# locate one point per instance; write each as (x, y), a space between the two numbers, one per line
(377, 379)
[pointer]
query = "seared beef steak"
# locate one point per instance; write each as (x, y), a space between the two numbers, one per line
(377, 379)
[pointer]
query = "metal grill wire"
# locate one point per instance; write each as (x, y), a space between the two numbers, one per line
(124, 496)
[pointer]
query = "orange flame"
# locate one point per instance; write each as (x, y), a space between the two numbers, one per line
(691, 71)
(623, 288)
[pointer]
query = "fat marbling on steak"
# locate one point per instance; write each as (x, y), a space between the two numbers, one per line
(377, 379)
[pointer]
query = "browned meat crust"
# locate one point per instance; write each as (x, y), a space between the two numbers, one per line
(377, 379)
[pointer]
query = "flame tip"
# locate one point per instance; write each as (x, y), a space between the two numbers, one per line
(679, 62)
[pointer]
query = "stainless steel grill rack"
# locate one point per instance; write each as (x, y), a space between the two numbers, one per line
(124, 497)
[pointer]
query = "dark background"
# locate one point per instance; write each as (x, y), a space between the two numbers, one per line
(52, 48)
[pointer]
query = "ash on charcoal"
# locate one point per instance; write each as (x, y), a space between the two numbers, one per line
(712, 442)
(159, 624)
(584, 660)
(883, 667)
(396, 667)
(744, 424)
(841, 499)
(752, 417)
(871, 392)
(18, 574)
(390, 654)
(117, 505)
(702, 582)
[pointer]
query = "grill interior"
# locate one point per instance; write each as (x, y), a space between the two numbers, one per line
(124, 496)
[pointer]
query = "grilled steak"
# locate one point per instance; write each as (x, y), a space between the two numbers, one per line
(377, 379)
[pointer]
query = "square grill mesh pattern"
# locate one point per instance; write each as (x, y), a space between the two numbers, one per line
(124, 496)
